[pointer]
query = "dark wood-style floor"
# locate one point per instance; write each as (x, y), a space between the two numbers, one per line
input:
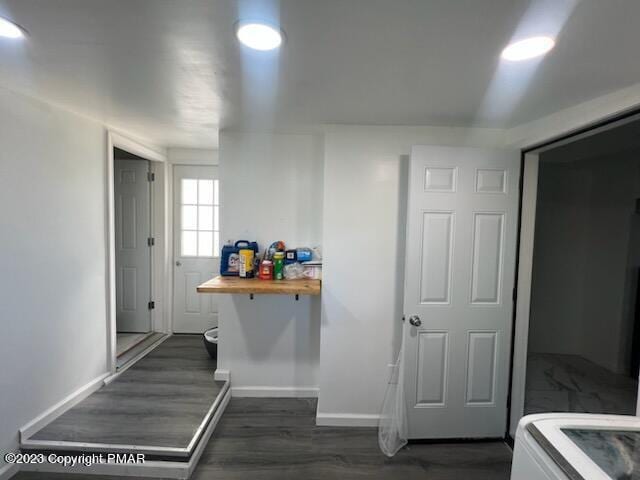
(160, 401)
(275, 439)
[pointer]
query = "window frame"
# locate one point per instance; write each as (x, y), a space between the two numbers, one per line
(215, 210)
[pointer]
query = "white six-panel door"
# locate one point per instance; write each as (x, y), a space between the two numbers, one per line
(133, 254)
(461, 243)
(197, 246)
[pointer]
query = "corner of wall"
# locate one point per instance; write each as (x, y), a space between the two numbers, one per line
(574, 118)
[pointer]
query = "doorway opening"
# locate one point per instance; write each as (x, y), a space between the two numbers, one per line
(132, 178)
(576, 345)
(584, 291)
(139, 295)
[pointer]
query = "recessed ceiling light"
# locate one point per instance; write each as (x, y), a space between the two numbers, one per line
(259, 36)
(8, 29)
(528, 48)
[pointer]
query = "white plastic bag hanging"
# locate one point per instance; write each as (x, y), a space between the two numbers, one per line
(392, 427)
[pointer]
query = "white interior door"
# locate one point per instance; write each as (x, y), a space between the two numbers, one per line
(133, 253)
(197, 246)
(461, 245)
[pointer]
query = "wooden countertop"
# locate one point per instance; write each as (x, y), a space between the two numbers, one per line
(256, 286)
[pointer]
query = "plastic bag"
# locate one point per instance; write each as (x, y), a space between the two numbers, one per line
(293, 271)
(392, 426)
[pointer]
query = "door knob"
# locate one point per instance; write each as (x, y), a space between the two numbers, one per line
(178, 263)
(415, 320)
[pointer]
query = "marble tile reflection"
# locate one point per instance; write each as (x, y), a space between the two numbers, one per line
(570, 383)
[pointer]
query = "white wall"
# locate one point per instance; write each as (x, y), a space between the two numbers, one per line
(584, 259)
(192, 156)
(52, 239)
(363, 230)
(559, 266)
(271, 189)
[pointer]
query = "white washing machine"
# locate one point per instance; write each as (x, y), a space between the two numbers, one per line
(577, 447)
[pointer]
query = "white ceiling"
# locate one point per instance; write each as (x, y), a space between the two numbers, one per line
(171, 71)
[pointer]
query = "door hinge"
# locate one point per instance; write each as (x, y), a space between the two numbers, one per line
(151, 176)
(151, 241)
(152, 305)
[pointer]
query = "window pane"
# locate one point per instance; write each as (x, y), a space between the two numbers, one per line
(189, 191)
(216, 244)
(216, 218)
(189, 217)
(205, 218)
(205, 192)
(216, 192)
(205, 244)
(189, 245)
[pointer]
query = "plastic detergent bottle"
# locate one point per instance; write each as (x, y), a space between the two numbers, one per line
(246, 263)
(266, 270)
(278, 265)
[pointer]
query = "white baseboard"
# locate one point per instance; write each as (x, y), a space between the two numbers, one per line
(59, 408)
(347, 420)
(277, 392)
(9, 470)
(222, 375)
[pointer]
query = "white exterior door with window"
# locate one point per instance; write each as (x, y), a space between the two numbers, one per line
(458, 302)
(197, 246)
